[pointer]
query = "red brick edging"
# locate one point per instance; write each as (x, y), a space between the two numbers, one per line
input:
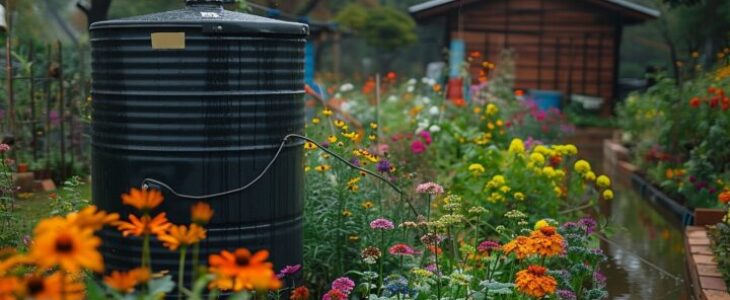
(707, 282)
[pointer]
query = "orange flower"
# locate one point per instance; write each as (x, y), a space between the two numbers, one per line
(10, 263)
(724, 197)
(242, 271)
(300, 293)
(145, 225)
(9, 286)
(92, 218)
(434, 249)
(201, 213)
(546, 242)
(521, 246)
(126, 281)
(70, 247)
(533, 282)
(54, 287)
(144, 199)
(182, 235)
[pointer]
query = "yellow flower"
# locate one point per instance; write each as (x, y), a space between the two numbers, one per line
(339, 123)
(516, 146)
(589, 176)
(476, 169)
(367, 205)
(315, 120)
(571, 149)
(548, 171)
(608, 194)
(540, 224)
(603, 181)
(537, 159)
(346, 213)
(519, 196)
(374, 125)
(542, 150)
(558, 191)
(504, 189)
(351, 135)
(309, 146)
(322, 168)
(582, 166)
(372, 138)
(307, 168)
(490, 126)
(492, 109)
(500, 123)
(327, 112)
(332, 139)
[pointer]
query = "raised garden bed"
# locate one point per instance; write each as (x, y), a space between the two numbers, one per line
(707, 282)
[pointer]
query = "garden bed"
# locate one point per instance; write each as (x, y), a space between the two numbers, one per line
(707, 282)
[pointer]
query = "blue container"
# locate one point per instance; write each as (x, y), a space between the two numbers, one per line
(546, 100)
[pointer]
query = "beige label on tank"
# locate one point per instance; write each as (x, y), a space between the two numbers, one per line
(168, 40)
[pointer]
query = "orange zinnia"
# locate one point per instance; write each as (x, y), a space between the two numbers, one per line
(521, 246)
(724, 197)
(534, 282)
(54, 287)
(70, 247)
(182, 235)
(201, 213)
(145, 225)
(126, 281)
(230, 264)
(546, 242)
(300, 293)
(144, 199)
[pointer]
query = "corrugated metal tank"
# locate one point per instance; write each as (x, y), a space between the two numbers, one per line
(200, 98)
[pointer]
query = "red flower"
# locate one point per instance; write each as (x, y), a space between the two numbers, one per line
(695, 101)
(714, 101)
(300, 293)
(417, 147)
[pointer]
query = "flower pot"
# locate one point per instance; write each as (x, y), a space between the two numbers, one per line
(22, 167)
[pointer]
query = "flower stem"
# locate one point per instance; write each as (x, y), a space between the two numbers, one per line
(146, 252)
(181, 272)
(380, 261)
(196, 262)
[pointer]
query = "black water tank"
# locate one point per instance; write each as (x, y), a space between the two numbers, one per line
(200, 98)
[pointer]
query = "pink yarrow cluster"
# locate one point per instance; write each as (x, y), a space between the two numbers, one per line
(430, 188)
(341, 289)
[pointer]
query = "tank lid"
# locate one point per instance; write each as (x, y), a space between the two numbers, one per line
(211, 17)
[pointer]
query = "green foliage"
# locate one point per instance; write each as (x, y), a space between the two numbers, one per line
(70, 198)
(9, 231)
(382, 27)
(720, 237)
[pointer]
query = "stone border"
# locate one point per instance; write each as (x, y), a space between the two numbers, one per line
(707, 282)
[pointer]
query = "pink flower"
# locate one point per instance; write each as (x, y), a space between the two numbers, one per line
(429, 188)
(417, 147)
(487, 246)
(4, 148)
(382, 223)
(289, 270)
(426, 136)
(344, 284)
(401, 250)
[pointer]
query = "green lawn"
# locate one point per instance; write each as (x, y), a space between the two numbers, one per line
(32, 209)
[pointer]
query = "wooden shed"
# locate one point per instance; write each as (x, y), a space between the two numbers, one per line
(570, 46)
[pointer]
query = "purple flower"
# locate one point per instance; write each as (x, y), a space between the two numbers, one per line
(289, 270)
(383, 166)
(599, 277)
(566, 295)
(343, 284)
(431, 268)
(381, 223)
(487, 246)
(355, 161)
(588, 224)
(429, 188)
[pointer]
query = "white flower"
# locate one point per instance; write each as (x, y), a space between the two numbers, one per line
(434, 128)
(412, 81)
(434, 110)
(392, 98)
(410, 89)
(422, 125)
(338, 95)
(426, 100)
(425, 80)
(346, 107)
(346, 87)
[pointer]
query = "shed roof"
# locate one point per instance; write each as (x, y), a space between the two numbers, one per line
(635, 12)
